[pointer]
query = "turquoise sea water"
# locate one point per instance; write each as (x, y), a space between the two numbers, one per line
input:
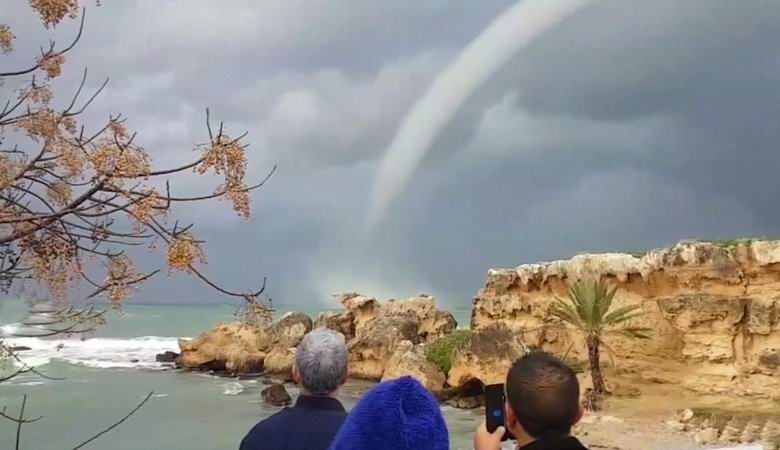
(102, 382)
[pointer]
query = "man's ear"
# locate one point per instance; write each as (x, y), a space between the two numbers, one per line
(296, 374)
(509, 416)
(345, 376)
(580, 413)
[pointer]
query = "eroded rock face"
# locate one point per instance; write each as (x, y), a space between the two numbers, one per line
(409, 359)
(714, 311)
(359, 310)
(343, 322)
(433, 322)
(232, 347)
(279, 362)
(375, 343)
(486, 356)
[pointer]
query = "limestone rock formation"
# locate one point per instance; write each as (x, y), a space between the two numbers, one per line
(432, 322)
(343, 322)
(770, 435)
(276, 395)
(375, 343)
(486, 356)
(714, 310)
(238, 348)
(409, 359)
(706, 436)
(374, 330)
(231, 347)
(279, 362)
(751, 433)
(731, 433)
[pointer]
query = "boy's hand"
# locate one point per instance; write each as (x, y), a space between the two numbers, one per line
(484, 440)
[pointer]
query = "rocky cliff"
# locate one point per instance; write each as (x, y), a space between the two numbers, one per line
(714, 310)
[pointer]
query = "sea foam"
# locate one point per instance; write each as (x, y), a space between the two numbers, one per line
(101, 353)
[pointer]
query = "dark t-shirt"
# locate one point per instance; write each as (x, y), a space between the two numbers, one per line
(565, 443)
(309, 425)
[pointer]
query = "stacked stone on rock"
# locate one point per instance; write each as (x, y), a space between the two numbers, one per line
(731, 433)
(770, 435)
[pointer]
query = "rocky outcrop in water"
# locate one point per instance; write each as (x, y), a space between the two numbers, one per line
(237, 348)
(714, 309)
(166, 357)
(276, 395)
(231, 347)
(384, 340)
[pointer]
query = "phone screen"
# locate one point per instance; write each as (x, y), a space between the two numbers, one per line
(494, 406)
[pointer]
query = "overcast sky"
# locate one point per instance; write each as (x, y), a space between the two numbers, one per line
(632, 124)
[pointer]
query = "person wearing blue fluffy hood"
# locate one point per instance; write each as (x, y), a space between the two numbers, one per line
(395, 415)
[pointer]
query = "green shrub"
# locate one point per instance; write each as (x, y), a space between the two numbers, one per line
(440, 351)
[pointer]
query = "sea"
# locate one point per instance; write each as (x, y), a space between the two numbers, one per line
(101, 377)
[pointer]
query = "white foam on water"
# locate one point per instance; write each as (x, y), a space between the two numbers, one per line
(232, 388)
(101, 353)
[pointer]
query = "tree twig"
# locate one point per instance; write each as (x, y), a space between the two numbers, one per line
(115, 424)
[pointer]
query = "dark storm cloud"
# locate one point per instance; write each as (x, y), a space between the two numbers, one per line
(632, 124)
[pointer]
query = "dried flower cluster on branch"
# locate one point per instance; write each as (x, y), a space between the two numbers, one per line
(72, 192)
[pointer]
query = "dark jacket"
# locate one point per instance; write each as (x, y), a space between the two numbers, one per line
(309, 425)
(565, 443)
(394, 415)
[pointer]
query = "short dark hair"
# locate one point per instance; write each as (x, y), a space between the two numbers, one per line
(543, 392)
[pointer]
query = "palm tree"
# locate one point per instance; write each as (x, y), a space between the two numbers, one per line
(588, 310)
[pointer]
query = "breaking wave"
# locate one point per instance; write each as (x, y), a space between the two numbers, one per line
(101, 353)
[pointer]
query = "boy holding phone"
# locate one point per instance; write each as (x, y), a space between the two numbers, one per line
(542, 404)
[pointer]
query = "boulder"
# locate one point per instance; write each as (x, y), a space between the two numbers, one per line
(409, 359)
(375, 343)
(287, 331)
(231, 346)
(276, 395)
(486, 355)
(166, 357)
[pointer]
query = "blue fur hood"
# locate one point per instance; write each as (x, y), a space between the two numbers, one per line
(394, 415)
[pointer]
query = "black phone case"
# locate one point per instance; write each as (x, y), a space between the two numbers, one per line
(494, 406)
(495, 399)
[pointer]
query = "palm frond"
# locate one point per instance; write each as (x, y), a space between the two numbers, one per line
(566, 312)
(633, 332)
(581, 298)
(621, 315)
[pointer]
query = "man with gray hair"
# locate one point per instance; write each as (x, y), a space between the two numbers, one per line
(320, 369)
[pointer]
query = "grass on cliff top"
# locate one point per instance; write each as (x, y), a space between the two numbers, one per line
(440, 351)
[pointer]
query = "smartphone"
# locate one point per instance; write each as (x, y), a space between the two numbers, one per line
(495, 401)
